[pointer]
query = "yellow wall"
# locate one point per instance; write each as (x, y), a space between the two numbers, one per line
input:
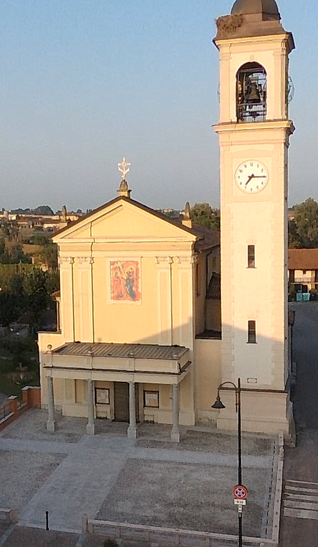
(207, 360)
(164, 313)
(200, 292)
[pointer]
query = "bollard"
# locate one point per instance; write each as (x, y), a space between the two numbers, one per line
(46, 520)
(85, 523)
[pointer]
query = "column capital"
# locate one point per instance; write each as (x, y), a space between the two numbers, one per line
(83, 259)
(164, 260)
(63, 260)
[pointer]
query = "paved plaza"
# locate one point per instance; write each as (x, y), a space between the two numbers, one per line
(150, 481)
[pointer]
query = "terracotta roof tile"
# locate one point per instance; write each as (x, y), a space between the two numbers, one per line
(303, 259)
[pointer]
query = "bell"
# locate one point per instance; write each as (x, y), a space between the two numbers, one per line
(253, 95)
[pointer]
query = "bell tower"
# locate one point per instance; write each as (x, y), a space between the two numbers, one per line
(254, 131)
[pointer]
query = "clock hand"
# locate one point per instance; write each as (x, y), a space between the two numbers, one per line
(259, 176)
(249, 179)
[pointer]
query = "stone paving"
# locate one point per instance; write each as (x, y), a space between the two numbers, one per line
(152, 481)
(34, 537)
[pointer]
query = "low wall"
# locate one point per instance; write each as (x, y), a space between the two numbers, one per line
(278, 489)
(170, 536)
(12, 409)
(10, 516)
(31, 396)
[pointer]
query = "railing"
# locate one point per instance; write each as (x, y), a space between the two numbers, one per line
(304, 279)
(251, 112)
(5, 410)
(13, 407)
(21, 404)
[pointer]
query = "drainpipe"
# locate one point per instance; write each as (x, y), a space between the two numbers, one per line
(72, 260)
(171, 300)
(92, 291)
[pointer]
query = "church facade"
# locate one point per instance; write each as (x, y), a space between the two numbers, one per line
(141, 335)
(137, 338)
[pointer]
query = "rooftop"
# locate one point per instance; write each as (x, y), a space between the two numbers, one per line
(122, 351)
(303, 259)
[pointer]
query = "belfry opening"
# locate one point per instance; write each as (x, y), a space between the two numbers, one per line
(251, 93)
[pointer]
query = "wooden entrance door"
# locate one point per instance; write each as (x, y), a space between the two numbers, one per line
(121, 401)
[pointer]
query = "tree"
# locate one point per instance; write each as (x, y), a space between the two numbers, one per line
(303, 228)
(39, 238)
(48, 255)
(11, 230)
(37, 297)
(52, 282)
(202, 213)
(14, 254)
(11, 278)
(10, 308)
(294, 239)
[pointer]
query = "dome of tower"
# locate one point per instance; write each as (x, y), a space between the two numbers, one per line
(249, 7)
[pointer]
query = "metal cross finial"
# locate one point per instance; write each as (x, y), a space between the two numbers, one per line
(123, 168)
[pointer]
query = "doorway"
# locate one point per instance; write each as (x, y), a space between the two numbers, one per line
(121, 402)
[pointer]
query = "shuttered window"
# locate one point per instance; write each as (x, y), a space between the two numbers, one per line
(251, 332)
(251, 256)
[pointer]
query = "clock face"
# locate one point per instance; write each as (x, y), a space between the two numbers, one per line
(251, 176)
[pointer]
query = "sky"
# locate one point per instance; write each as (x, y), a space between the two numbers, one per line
(86, 82)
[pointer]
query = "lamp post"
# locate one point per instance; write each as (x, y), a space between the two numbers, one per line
(219, 405)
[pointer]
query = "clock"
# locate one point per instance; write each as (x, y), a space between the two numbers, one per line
(251, 176)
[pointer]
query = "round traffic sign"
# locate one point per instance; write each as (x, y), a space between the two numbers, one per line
(240, 492)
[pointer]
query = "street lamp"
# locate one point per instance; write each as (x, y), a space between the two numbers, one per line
(219, 405)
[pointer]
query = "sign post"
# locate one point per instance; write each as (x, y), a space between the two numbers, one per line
(240, 494)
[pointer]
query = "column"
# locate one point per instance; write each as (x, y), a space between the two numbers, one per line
(51, 423)
(90, 428)
(132, 429)
(175, 433)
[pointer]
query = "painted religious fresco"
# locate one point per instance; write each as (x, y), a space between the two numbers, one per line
(125, 280)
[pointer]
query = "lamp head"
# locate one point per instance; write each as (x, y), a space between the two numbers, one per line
(218, 403)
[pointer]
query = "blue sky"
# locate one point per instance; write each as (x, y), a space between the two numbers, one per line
(86, 82)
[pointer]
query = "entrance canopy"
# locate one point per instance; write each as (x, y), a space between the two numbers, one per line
(148, 363)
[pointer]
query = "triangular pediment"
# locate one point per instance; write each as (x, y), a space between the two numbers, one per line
(124, 220)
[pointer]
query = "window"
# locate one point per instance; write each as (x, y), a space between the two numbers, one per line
(251, 256)
(151, 399)
(251, 332)
(102, 396)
